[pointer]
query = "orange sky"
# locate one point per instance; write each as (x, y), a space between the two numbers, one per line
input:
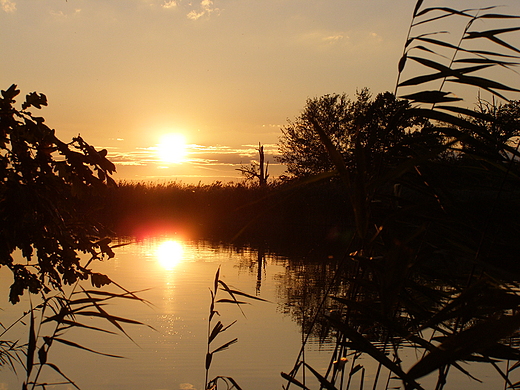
(227, 74)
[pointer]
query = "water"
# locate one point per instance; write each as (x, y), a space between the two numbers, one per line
(177, 277)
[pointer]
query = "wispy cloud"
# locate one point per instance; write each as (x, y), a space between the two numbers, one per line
(206, 9)
(61, 14)
(169, 4)
(197, 155)
(320, 38)
(8, 6)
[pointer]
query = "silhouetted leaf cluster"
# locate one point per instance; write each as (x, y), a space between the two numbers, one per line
(48, 192)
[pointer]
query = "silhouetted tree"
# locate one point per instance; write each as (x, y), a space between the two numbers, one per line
(48, 191)
(257, 170)
(496, 128)
(377, 126)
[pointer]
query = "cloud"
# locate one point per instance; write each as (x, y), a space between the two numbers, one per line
(8, 6)
(206, 9)
(61, 14)
(324, 38)
(333, 38)
(197, 155)
(169, 4)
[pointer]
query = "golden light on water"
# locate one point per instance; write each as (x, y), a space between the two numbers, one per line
(169, 254)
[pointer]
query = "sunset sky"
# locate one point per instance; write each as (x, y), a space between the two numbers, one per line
(226, 74)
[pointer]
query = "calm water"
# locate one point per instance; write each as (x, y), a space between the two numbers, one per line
(179, 276)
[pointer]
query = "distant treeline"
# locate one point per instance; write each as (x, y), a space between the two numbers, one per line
(282, 213)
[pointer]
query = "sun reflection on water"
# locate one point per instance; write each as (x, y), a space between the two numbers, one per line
(169, 254)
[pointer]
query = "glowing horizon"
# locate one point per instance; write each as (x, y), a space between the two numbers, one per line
(228, 73)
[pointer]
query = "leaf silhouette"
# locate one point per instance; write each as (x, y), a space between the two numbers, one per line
(491, 35)
(294, 381)
(431, 97)
(323, 381)
(461, 345)
(31, 347)
(225, 346)
(55, 368)
(76, 345)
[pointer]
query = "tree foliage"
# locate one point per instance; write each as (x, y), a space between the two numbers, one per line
(48, 190)
(377, 126)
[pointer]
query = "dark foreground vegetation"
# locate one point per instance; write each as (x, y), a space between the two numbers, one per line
(419, 194)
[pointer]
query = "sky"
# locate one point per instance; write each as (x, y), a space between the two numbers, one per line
(226, 74)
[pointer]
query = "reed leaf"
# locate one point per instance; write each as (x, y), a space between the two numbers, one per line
(448, 11)
(442, 117)
(243, 294)
(228, 290)
(216, 330)
(435, 42)
(502, 374)
(294, 381)
(488, 85)
(76, 345)
(506, 64)
(361, 344)
(216, 281)
(431, 97)
(491, 35)
(209, 358)
(101, 313)
(212, 310)
(417, 7)
(75, 324)
(462, 345)
(225, 346)
(442, 75)
(323, 381)
(448, 45)
(56, 368)
(515, 366)
(31, 346)
(112, 319)
(227, 300)
(502, 352)
(109, 295)
(498, 16)
(42, 354)
(212, 385)
(355, 369)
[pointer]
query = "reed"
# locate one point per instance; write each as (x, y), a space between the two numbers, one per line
(431, 264)
(49, 321)
(234, 297)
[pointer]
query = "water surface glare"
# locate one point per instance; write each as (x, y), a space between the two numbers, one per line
(177, 278)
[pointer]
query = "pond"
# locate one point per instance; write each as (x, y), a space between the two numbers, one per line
(175, 278)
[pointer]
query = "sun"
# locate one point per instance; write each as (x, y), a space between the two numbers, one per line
(172, 148)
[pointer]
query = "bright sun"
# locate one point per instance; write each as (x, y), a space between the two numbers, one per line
(172, 148)
(169, 254)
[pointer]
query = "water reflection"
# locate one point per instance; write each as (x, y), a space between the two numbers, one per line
(169, 254)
